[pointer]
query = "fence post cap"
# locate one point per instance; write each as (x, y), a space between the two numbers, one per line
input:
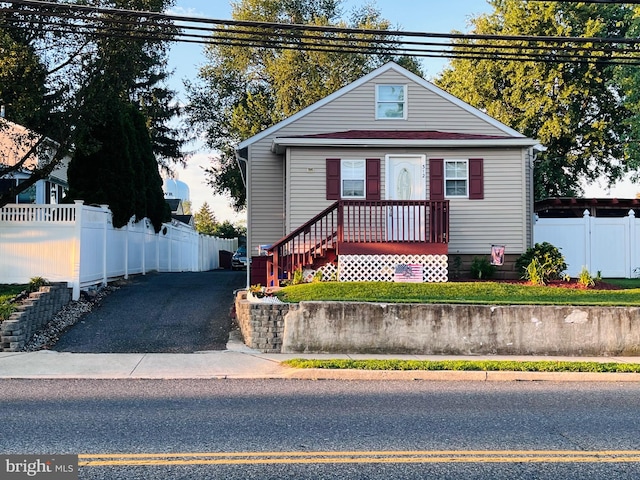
(586, 213)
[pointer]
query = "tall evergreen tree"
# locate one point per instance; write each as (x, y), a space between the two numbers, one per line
(205, 220)
(105, 174)
(124, 100)
(121, 170)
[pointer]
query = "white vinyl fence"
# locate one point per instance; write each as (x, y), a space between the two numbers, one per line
(77, 244)
(610, 246)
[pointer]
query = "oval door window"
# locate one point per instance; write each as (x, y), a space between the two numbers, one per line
(403, 185)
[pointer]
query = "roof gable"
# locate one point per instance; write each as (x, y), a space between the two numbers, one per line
(370, 76)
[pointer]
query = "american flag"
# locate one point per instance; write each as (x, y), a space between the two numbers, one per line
(408, 272)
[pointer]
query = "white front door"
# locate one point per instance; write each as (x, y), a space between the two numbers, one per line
(405, 180)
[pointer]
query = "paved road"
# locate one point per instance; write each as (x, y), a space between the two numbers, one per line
(159, 313)
(277, 429)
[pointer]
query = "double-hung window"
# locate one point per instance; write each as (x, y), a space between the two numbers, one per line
(352, 175)
(391, 102)
(456, 178)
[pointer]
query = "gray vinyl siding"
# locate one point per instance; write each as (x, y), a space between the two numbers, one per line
(356, 110)
(499, 218)
(307, 174)
(285, 193)
(266, 191)
(474, 224)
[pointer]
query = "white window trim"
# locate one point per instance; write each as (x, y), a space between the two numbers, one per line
(364, 179)
(406, 102)
(466, 179)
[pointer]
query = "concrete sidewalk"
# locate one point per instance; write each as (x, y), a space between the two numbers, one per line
(240, 362)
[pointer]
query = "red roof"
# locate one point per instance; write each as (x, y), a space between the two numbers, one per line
(401, 135)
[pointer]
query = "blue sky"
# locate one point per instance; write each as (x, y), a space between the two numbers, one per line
(435, 16)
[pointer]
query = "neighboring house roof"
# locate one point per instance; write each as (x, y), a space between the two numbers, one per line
(392, 137)
(15, 143)
(389, 66)
(174, 203)
(186, 219)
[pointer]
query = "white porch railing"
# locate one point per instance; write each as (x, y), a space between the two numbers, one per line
(77, 244)
(610, 246)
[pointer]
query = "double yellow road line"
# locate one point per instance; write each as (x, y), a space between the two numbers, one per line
(418, 456)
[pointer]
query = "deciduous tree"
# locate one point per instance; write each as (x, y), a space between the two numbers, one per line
(79, 65)
(246, 89)
(575, 108)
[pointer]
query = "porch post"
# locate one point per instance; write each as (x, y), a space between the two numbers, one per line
(340, 222)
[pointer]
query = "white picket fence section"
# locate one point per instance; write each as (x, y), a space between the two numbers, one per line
(610, 246)
(78, 244)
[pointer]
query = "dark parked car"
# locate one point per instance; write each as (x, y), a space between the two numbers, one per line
(239, 258)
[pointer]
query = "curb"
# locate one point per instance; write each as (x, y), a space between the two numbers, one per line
(460, 376)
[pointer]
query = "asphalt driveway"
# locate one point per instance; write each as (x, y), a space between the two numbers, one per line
(159, 313)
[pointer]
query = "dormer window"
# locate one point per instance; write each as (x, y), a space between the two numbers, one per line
(391, 102)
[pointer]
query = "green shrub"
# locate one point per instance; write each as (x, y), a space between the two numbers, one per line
(481, 268)
(36, 282)
(297, 277)
(534, 273)
(550, 259)
(585, 279)
(6, 309)
(456, 267)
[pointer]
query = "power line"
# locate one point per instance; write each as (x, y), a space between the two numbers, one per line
(153, 26)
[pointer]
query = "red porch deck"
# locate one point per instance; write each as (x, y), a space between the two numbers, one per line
(361, 227)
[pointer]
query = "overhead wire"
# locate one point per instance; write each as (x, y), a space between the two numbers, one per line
(64, 18)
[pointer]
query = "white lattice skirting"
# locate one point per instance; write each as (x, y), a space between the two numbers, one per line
(382, 268)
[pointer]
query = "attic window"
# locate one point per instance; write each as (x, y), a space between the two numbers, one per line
(391, 102)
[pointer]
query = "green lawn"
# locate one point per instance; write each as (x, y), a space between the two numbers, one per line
(466, 365)
(462, 293)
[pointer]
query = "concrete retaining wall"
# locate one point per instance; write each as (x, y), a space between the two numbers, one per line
(31, 315)
(345, 327)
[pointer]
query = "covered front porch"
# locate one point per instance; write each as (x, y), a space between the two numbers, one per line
(363, 240)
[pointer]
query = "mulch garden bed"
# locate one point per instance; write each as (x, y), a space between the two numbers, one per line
(571, 284)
